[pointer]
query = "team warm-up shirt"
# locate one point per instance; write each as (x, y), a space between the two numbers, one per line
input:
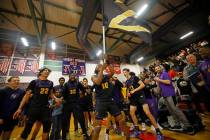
(9, 101)
(132, 84)
(104, 90)
(41, 90)
(72, 91)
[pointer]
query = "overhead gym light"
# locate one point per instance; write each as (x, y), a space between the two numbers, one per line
(99, 53)
(186, 35)
(141, 10)
(53, 45)
(139, 59)
(24, 41)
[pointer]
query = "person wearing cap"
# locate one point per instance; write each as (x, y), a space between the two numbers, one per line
(71, 94)
(39, 90)
(204, 68)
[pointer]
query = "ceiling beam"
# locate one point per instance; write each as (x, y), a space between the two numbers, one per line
(37, 10)
(169, 10)
(14, 6)
(131, 46)
(64, 34)
(113, 47)
(152, 22)
(44, 26)
(177, 19)
(34, 19)
(115, 32)
(101, 39)
(57, 23)
(78, 12)
(9, 20)
(132, 2)
(66, 9)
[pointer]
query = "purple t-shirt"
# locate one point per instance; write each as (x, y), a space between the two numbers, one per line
(204, 67)
(167, 90)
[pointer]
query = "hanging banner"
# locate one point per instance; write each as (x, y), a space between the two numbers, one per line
(6, 49)
(4, 66)
(24, 67)
(116, 69)
(115, 61)
(73, 65)
(32, 52)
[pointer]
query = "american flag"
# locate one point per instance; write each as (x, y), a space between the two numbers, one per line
(34, 66)
(20, 66)
(4, 65)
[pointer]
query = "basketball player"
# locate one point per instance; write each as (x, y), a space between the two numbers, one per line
(71, 96)
(137, 99)
(41, 90)
(88, 102)
(104, 101)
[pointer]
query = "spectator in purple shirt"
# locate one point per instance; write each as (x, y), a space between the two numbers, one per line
(168, 92)
(204, 68)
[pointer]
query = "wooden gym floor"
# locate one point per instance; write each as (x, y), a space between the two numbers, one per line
(203, 135)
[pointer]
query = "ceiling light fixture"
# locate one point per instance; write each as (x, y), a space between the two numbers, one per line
(143, 8)
(24, 41)
(53, 45)
(99, 53)
(186, 35)
(139, 59)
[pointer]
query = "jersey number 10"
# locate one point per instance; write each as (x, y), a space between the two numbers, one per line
(105, 85)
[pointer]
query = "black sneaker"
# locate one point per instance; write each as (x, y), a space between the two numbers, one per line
(86, 137)
(189, 130)
(176, 128)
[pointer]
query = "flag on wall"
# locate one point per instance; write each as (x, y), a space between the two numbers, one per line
(20, 65)
(34, 66)
(73, 65)
(4, 66)
(118, 16)
(116, 67)
(6, 49)
(24, 67)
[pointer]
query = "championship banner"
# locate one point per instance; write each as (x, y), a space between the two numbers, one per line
(115, 62)
(117, 69)
(24, 67)
(74, 65)
(6, 49)
(4, 66)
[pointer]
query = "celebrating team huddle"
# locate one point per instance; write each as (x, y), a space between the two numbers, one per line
(52, 106)
(122, 105)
